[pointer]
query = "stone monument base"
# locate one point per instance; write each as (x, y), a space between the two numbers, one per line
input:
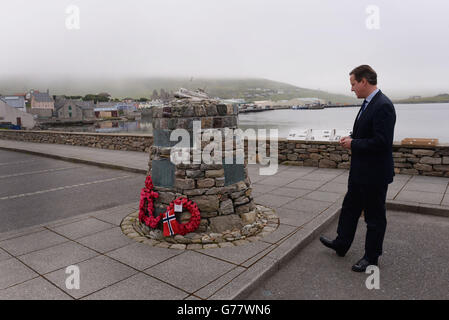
(265, 221)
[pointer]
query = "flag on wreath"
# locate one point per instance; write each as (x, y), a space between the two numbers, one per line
(170, 223)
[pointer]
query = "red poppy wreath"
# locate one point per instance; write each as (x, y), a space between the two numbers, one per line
(192, 207)
(146, 206)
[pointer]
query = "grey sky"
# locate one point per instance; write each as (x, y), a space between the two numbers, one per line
(311, 44)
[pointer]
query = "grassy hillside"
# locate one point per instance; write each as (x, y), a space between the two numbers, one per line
(248, 89)
(441, 98)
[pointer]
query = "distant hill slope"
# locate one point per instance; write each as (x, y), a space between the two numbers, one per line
(441, 98)
(248, 89)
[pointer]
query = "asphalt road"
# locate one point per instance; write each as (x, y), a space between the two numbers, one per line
(413, 266)
(36, 190)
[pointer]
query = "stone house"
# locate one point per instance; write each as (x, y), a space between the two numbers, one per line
(42, 104)
(68, 109)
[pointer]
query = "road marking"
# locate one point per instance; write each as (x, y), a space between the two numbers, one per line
(34, 172)
(63, 188)
(16, 162)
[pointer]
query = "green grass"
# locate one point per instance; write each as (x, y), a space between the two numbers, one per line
(441, 98)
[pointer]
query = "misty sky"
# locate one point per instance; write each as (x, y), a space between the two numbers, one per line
(312, 44)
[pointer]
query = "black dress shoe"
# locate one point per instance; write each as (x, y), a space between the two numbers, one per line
(330, 244)
(362, 264)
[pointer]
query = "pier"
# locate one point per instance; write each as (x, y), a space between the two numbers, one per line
(300, 108)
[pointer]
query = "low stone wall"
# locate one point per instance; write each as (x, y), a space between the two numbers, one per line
(416, 160)
(313, 154)
(112, 141)
(428, 161)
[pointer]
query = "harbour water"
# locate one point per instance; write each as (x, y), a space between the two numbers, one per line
(412, 121)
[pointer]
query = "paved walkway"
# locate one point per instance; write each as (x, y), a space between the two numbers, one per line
(406, 189)
(306, 199)
(413, 266)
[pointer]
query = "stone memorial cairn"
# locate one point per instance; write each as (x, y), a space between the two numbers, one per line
(221, 191)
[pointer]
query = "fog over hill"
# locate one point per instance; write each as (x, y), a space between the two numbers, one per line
(250, 89)
(309, 44)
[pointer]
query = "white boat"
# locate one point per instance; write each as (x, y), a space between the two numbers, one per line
(301, 134)
(298, 107)
(340, 133)
(318, 134)
(322, 135)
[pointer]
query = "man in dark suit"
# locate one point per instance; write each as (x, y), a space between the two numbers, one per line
(371, 169)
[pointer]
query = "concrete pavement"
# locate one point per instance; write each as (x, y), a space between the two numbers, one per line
(35, 190)
(306, 199)
(407, 192)
(125, 160)
(413, 266)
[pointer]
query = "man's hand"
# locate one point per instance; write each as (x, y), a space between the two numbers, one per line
(345, 142)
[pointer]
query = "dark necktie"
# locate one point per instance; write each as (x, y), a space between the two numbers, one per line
(363, 109)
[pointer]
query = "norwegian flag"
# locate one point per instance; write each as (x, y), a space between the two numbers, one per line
(170, 223)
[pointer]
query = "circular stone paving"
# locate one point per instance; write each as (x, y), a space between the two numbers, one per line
(266, 222)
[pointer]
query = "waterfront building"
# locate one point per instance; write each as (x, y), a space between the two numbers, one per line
(76, 110)
(15, 101)
(106, 110)
(42, 104)
(14, 116)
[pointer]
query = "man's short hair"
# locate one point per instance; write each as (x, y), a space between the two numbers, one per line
(365, 71)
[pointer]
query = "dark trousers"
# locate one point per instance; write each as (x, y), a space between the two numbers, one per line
(371, 199)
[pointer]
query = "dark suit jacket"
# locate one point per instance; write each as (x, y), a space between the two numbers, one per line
(372, 144)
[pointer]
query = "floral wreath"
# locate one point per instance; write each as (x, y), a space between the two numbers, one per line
(195, 218)
(146, 206)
